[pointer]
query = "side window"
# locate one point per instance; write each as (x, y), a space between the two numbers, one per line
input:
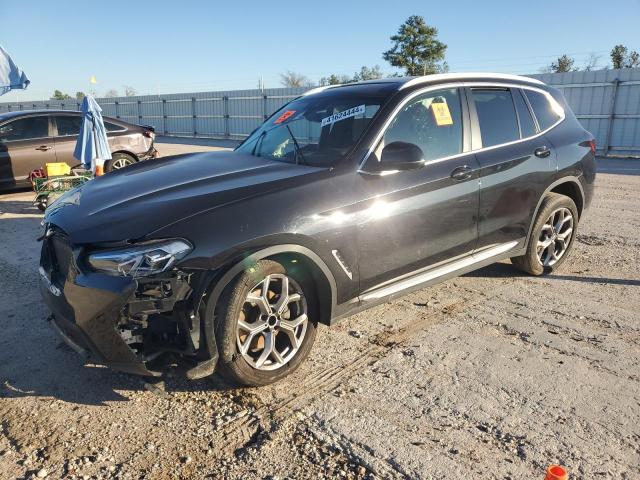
(432, 121)
(112, 127)
(542, 108)
(68, 124)
(497, 116)
(25, 129)
(527, 125)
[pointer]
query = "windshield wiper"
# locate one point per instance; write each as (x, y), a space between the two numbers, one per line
(299, 154)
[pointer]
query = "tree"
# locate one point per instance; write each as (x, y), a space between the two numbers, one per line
(334, 79)
(58, 95)
(129, 91)
(367, 73)
(621, 57)
(293, 79)
(111, 93)
(562, 64)
(80, 95)
(592, 63)
(416, 48)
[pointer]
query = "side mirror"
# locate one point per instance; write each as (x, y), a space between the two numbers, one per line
(399, 156)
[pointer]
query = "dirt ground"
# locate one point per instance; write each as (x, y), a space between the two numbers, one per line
(493, 375)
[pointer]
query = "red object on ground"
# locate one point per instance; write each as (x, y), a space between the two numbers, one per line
(99, 170)
(556, 472)
(37, 173)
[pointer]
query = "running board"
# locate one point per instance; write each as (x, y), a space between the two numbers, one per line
(437, 272)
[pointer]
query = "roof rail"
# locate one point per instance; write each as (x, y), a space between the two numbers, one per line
(440, 77)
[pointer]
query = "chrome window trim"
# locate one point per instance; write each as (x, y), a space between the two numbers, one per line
(443, 86)
(8, 122)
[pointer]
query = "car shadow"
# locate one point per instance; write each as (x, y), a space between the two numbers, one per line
(503, 270)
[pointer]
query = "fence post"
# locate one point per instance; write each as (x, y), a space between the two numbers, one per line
(193, 115)
(225, 103)
(164, 116)
(140, 111)
(264, 107)
(611, 116)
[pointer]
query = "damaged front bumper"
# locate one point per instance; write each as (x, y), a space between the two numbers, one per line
(122, 322)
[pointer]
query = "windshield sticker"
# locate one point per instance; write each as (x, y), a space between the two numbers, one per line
(336, 117)
(284, 116)
(441, 114)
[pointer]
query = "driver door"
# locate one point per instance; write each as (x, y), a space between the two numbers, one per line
(418, 218)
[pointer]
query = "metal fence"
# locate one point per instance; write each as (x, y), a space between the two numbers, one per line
(224, 114)
(607, 102)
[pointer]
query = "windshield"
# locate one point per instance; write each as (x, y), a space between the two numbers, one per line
(319, 129)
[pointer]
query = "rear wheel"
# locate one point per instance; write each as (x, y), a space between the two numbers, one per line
(265, 324)
(551, 237)
(118, 161)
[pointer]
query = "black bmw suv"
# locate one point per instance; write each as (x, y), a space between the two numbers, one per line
(346, 197)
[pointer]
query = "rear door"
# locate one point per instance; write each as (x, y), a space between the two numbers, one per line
(25, 144)
(66, 130)
(515, 159)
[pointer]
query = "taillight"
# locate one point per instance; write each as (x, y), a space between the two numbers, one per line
(592, 146)
(148, 134)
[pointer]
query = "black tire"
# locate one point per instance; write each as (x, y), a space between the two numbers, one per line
(119, 160)
(531, 262)
(42, 203)
(232, 365)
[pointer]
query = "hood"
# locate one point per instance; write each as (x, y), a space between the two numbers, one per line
(133, 202)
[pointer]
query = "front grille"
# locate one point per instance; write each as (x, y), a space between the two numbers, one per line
(62, 253)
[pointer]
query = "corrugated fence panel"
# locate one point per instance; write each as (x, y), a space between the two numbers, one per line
(607, 103)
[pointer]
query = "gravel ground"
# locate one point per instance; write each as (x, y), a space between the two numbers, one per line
(491, 375)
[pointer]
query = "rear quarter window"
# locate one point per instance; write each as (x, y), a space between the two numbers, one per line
(542, 109)
(112, 127)
(527, 124)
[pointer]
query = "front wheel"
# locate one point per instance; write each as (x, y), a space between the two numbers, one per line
(265, 324)
(552, 236)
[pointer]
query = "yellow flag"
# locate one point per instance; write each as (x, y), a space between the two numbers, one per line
(93, 79)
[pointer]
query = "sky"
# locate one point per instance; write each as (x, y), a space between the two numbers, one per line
(168, 47)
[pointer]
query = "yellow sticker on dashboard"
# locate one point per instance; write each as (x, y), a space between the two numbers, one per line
(441, 114)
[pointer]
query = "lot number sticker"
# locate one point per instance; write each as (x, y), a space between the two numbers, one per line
(336, 117)
(441, 114)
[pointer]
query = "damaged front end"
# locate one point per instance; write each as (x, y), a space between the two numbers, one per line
(127, 306)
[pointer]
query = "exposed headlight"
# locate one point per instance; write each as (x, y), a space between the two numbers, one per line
(140, 260)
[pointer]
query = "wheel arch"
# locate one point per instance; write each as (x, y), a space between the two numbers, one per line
(216, 281)
(569, 186)
(127, 152)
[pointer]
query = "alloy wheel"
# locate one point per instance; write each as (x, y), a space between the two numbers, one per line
(272, 323)
(119, 163)
(555, 237)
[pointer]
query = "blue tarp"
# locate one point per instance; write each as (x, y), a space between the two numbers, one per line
(11, 77)
(92, 147)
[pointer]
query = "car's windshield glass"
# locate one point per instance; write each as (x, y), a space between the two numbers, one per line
(319, 129)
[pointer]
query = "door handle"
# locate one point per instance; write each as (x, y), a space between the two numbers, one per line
(43, 148)
(542, 152)
(461, 173)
